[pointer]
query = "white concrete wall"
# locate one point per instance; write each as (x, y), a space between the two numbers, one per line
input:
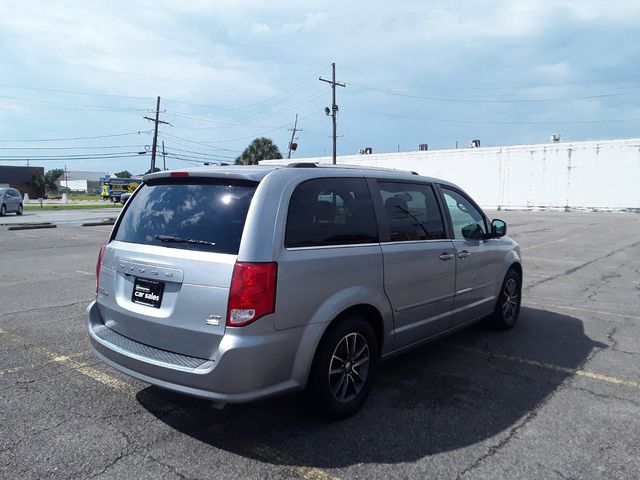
(601, 174)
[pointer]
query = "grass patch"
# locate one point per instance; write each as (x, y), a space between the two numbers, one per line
(83, 196)
(70, 207)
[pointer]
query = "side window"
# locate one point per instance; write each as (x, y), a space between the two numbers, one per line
(411, 211)
(331, 211)
(467, 220)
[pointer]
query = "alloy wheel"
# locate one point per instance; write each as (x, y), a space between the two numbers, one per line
(349, 367)
(511, 300)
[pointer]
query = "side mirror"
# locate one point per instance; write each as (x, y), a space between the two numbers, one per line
(473, 231)
(498, 228)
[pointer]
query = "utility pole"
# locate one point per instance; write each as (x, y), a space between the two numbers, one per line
(155, 134)
(164, 157)
(334, 108)
(293, 134)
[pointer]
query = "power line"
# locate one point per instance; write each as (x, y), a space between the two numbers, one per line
(183, 144)
(67, 104)
(211, 120)
(487, 100)
(200, 153)
(251, 105)
(84, 147)
(489, 122)
(258, 134)
(295, 106)
(71, 92)
(65, 159)
(73, 155)
(634, 79)
(76, 138)
(197, 143)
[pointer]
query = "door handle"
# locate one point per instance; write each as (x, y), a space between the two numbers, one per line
(464, 254)
(446, 256)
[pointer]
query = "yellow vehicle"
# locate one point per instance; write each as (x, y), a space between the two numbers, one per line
(114, 187)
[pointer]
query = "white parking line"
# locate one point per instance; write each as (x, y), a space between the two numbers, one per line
(85, 273)
(545, 244)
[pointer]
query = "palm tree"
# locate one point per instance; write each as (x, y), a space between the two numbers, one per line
(260, 149)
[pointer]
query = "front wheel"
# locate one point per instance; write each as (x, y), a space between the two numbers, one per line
(343, 369)
(507, 309)
(3, 210)
(19, 212)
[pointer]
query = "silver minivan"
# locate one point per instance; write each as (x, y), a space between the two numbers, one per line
(238, 283)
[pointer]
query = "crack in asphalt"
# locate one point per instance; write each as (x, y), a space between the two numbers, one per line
(602, 395)
(48, 307)
(35, 434)
(583, 265)
(495, 449)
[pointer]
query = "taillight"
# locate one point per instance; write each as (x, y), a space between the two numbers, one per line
(98, 265)
(253, 292)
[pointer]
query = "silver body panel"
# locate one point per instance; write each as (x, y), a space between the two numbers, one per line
(417, 294)
(11, 199)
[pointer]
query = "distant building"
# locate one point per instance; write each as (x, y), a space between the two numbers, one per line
(22, 179)
(591, 175)
(80, 182)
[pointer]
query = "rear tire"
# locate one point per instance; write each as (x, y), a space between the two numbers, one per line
(19, 212)
(3, 210)
(507, 310)
(343, 369)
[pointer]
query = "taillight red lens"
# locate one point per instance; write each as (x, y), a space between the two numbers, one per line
(98, 265)
(253, 292)
(179, 174)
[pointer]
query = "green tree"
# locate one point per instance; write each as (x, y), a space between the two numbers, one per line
(50, 179)
(260, 149)
(124, 174)
(38, 183)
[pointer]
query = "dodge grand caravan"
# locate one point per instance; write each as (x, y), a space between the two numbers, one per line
(238, 283)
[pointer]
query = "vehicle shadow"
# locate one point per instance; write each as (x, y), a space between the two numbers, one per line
(446, 395)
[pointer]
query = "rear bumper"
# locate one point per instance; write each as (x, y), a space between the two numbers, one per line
(246, 367)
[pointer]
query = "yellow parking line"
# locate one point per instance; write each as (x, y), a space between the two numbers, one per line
(550, 366)
(34, 366)
(265, 452)
(578, 309)
(67, 361)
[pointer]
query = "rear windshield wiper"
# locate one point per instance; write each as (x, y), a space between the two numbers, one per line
(172, 239)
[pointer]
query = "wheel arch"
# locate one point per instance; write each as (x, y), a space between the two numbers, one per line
(366, 311)
(517, 266)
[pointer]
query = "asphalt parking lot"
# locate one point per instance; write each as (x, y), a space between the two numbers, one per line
(556, 397)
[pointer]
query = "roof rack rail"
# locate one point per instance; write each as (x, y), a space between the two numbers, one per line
(302, 165)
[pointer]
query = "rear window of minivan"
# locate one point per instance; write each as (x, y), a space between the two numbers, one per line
(205, 214)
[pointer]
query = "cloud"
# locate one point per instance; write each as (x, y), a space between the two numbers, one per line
(558, 70)
(310, 22)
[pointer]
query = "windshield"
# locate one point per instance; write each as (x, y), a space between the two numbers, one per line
(188, 213)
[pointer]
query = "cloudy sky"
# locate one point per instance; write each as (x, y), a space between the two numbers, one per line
(436, 72)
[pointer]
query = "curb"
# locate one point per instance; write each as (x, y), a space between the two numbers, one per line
(110, 221)
(33, 226)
